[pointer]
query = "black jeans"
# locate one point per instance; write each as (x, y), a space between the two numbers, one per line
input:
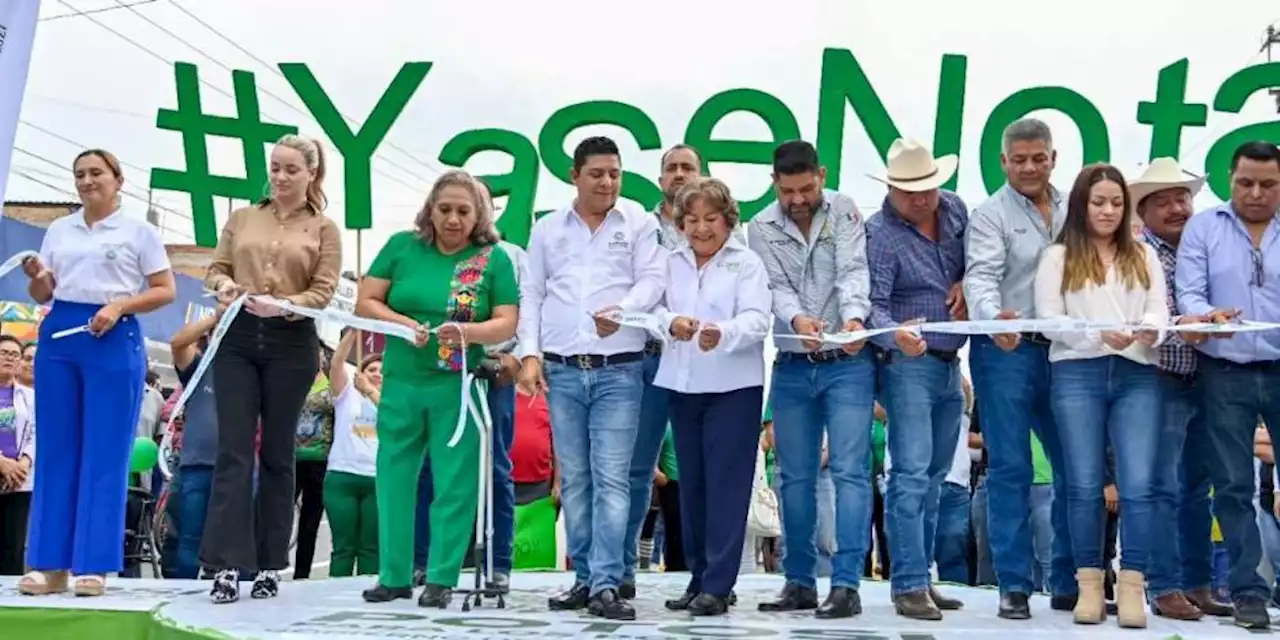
(263, 370)
(309, 483)
(14, 510)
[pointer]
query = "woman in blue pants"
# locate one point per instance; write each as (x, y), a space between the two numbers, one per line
(97, 268)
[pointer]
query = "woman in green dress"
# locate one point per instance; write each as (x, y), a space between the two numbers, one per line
(450, 276)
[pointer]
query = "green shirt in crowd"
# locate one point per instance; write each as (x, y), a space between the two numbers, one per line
(877, 445)
(434, 288)
(1043, 473)
(314, 434)
(667, 458)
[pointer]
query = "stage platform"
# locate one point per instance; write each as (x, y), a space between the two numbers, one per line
(180, 610)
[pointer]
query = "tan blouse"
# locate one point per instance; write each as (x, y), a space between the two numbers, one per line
(297, 257)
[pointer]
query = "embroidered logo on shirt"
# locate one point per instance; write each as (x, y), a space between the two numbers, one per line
(619, 242)
(113, 249)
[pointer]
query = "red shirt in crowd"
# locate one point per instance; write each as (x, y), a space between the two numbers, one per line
(531, 447)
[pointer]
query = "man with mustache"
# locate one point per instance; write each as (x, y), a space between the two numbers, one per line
(584, 262)
(1179, 572)
(1229, 267)
(813, 244)
(1011, 371)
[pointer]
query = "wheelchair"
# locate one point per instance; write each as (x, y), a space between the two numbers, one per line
(141, 542)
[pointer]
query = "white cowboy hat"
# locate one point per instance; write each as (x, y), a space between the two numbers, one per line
(1161, 174)
(910, 166)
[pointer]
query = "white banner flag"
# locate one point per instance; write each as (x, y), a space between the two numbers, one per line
(17, 34)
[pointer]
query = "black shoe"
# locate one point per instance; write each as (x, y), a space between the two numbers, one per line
(841, 602)
(501, 583)
(1251, 612)
(435, 596)
(572, 600)
(608, 605)
(226, 587)
(266, 585)
(944, 603)
(793, 598)
(1014, 606)
(916, 605)
(419, 577)
(708, 605)
(733, 598)
(681, 603)
(1064, 602)
(379, 593)
(627, 591)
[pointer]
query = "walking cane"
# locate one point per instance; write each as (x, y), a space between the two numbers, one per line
(482, 555)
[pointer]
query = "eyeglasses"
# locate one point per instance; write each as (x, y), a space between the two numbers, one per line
(10, 355)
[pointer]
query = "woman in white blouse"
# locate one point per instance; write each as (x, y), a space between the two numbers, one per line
(717, 310)
(1104, 382)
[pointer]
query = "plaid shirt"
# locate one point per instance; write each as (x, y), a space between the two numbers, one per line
(1176, 356)
(911, 275)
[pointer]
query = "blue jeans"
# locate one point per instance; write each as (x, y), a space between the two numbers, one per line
(1235, 396)
(984, 573)
(809, 398)
(1110, 399)
(1269, 531)
(951, 544)
(825, 532)
(502, 410)
(924, 402)
(1042, 533)
(1181, 494)
(594, 417)
(1012, 389)
(192, 505)
(649, 435)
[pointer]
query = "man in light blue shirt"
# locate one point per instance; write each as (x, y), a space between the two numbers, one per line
(1003, 243)
(813, 245)
(1229, 267)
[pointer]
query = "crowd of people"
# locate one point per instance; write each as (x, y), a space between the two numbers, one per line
(1067, 423)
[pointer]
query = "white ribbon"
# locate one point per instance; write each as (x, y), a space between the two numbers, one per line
(206, 360)
(16, 261)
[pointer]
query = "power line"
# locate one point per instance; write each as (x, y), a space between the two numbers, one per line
(433, 168)
(89, 11)
(263, 90)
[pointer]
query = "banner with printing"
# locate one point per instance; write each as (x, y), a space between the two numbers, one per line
(17, 34)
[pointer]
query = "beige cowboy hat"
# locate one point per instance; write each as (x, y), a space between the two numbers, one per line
(910, 166)
(1161, 174)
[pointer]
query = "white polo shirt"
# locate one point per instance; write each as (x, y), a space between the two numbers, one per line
(106, 262)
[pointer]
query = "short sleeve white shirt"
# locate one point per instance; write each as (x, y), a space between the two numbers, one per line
(355, 435)
(106, 262)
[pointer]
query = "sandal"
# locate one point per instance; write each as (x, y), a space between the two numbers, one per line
(43, 583)
(89, 586)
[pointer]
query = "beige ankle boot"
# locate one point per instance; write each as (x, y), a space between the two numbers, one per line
(1131, 599)
(1090, 605)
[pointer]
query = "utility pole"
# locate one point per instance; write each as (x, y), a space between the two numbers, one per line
(1272, 40)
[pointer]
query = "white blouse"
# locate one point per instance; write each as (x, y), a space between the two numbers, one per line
(103, 263)
(731, 291)
(1112, 301)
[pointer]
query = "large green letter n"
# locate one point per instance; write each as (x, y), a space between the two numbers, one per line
(195, 126)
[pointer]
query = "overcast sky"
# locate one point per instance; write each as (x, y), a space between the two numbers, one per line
(511, 63)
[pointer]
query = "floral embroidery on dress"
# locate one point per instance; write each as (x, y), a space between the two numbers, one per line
(464, 292)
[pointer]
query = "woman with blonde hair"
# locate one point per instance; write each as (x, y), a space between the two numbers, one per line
(281, 248)
(1105, 385)
(447, 280)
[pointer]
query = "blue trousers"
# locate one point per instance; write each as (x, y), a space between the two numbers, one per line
(649, 436)
(88, 397)
(192, 505)
(1012, 389)
(502, 409)
(835, 397)
(717, 436)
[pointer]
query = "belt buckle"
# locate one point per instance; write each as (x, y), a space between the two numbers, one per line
(816, 357)
(584, 361)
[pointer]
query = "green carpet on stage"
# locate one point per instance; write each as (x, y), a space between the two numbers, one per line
(76, 624)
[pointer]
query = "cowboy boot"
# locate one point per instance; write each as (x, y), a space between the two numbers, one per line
(1131, 599)
(1090, 605)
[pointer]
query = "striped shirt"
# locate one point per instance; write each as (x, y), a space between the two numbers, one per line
(1002, 249)
(912, 275)
(1176, 356)
(827, 278)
